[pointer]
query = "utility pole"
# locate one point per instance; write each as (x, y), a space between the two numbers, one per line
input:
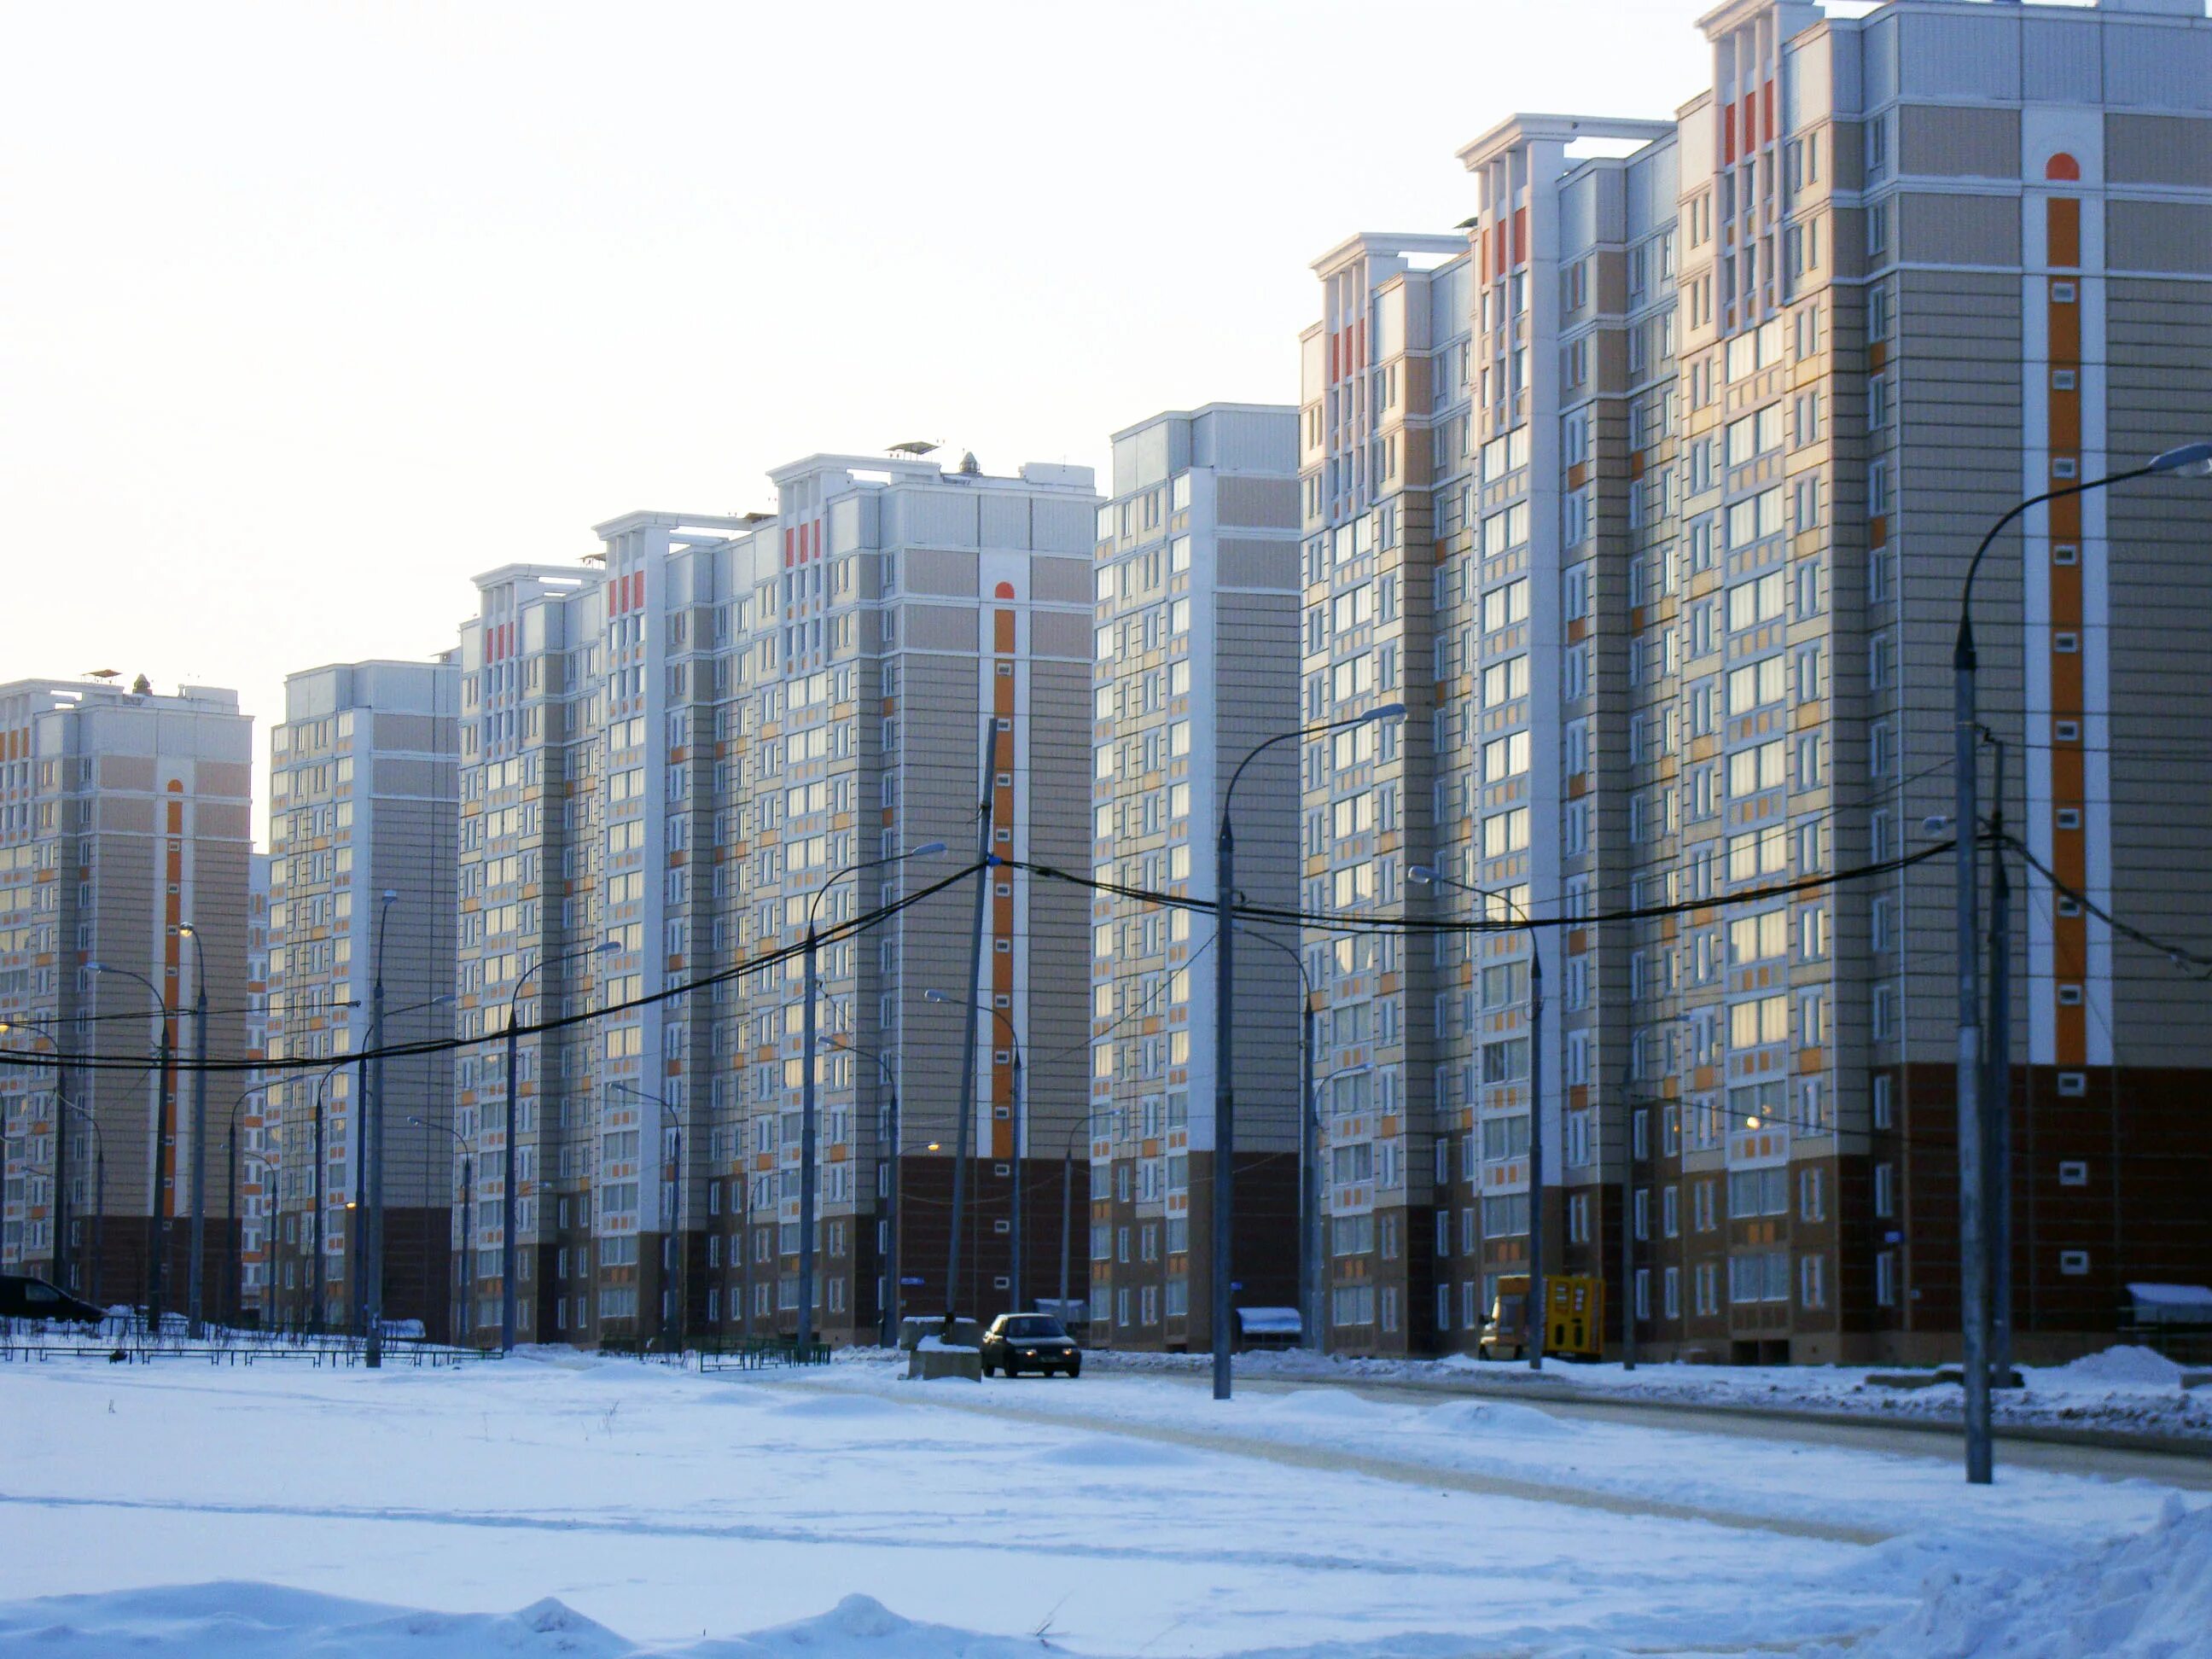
(1225, 1095)
(1996, 1164)
(509, 1211)
(1536, 1308)
(372, 1127)
(1021, 1151)
(806, 1141)
(196, 1271)
(986, 862)
(315, 1282)
(1067, 1206)
(1627, 1226)
(893, 1215)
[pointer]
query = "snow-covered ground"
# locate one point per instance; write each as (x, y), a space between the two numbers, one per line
(2125, 1390)
(557, 1503)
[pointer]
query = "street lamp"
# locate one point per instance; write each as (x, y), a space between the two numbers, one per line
(1081, 1126)
(316, 1284)
(230, 1208)
(155, 1254)
(508, 1182)
(1021, 1122)
(468, 1216)
(807, 1119)
(372, 1267)
(2193, 460)
(668, 1115)
(888, 1312)
(1533, 1313)
(1224, 1093)
(198, 1260)
(1310, 1238)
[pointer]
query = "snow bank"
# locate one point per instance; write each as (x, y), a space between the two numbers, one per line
(1333, 1404)
(265, 1620)
(2145, 1597)
(2122, 1365)
(860, 1627)
(1499, 1417)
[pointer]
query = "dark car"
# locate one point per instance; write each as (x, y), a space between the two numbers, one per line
(24, 1297)
(1030, 1342)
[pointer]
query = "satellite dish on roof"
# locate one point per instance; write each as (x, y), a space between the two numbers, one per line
(105, 674)
(916, 446)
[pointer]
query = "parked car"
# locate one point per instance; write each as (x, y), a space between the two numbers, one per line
(23, 1296)
(1030, 1342)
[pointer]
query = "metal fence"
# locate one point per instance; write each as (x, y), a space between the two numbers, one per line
(126, 1340)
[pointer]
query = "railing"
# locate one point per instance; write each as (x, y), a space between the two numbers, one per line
(758, 1352)
(122, 1340)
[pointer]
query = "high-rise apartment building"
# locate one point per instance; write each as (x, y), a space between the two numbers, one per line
(1382, 439)
(1198, 601)
(668, 767)
(1742, 392)
(362, 830)
(125, 849)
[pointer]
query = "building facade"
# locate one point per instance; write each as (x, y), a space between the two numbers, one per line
(126, 848)
(669, 766)
(1198, 592)
(1742, 389)
(364, 829)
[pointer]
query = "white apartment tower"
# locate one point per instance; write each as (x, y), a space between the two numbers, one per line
(1197, 623)
(668, 765)
(123, 825)
(362, 833)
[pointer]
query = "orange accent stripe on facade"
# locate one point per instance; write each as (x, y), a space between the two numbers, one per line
(2070, 851)
(1001, 975)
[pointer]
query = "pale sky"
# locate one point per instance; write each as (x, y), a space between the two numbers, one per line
(310, 312)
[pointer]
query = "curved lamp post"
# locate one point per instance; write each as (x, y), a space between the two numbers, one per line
(1974, 1244)
(164, 1082)
(806, 1119)
(508, 1179)
(1224, 1093)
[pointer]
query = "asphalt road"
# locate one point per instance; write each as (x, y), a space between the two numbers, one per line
(2098, 1453)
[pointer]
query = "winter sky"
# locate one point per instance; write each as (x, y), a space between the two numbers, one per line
(314, 310)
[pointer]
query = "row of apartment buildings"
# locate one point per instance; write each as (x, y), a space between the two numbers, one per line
(1646, 493)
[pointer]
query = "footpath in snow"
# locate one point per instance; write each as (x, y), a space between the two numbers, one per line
(2126, 1390)
(560, 1504)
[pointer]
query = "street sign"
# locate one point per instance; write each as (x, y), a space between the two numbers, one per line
(910, 1284)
